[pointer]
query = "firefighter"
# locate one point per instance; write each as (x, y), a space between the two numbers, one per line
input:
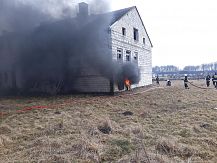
(186, 82)
(208, 80)
(214, 79)
(168, 83)
(157, 80)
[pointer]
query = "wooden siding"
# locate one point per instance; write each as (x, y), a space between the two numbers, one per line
(92, 84)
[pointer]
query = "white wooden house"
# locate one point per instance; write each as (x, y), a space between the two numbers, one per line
(127, 40)
(122, 38)
(130, 43)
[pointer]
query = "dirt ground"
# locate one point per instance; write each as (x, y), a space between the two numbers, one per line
(152, 124)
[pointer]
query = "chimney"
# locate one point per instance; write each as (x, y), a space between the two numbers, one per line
(83, 9)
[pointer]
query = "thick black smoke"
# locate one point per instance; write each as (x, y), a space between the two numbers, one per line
(44, 45)
(19, 15)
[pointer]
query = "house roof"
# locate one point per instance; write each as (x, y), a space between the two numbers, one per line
(114, 16)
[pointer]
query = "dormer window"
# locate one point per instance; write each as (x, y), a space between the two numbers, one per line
(123, 31)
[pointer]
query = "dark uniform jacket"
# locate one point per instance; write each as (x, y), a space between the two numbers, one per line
(214, 78)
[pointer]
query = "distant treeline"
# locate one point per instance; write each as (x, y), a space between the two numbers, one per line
(172, 68)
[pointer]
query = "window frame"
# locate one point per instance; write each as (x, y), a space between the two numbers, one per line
(128, 55)
(135, 57)
(135, 34)
(124, 33)
(119, 54)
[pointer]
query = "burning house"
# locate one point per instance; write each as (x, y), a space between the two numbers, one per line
(89, 53)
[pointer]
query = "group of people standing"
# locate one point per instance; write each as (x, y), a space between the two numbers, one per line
(214, 80)
(208, 79)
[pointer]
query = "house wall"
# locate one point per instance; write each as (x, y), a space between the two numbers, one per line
(130, 21)
(90, 80)
(92, 84)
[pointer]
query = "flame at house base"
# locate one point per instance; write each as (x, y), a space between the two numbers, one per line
(128, 72)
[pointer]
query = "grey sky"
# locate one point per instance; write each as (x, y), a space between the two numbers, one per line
(182, 32)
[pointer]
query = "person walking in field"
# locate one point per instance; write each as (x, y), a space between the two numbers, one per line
(214, 79)
(157, 80)
(186, 82)
(208, 80)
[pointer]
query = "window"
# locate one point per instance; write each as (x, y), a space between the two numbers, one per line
(135, 57)
(123, 31)
(128, 52)
(143, 40)
(127, 57)
(135, 34)
(119, 54)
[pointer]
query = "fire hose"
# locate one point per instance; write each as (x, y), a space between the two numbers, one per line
(28, 108)
(198, 86)
(25, 109)
(147, 90)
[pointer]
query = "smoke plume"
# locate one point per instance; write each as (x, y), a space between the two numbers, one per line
(45, 43)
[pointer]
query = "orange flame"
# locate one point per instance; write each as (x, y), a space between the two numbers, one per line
(127, 82)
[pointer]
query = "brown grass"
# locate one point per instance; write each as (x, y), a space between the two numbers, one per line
(168, 124)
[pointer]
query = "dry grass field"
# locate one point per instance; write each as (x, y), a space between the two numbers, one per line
(155, 124)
